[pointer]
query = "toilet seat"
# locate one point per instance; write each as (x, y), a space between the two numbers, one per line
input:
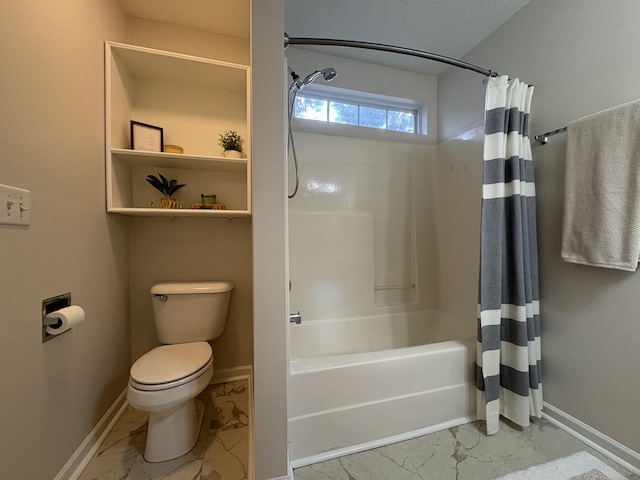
(170, 366)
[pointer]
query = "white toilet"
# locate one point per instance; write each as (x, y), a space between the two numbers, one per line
(166, 380)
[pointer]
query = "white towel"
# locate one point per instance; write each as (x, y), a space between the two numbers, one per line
(601, 224)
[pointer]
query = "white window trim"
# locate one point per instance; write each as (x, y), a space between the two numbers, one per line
(328, 93)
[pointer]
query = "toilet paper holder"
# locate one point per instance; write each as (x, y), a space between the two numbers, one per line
(51, 305)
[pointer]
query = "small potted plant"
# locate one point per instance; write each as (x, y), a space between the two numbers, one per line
(167, 188)
(231, 142)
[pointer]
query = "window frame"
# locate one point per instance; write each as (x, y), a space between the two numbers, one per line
(360, 99)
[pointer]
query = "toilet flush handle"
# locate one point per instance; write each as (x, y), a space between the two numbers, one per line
(162, 298)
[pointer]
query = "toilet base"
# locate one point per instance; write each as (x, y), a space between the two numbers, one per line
(172, 435)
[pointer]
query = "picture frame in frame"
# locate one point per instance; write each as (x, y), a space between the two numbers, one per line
(146, 137)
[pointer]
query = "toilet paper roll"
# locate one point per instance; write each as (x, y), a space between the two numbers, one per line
(64, 319)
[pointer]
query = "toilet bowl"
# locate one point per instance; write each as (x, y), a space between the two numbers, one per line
(166, 380)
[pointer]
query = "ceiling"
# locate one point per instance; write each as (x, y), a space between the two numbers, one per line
(446, 27)
(226, 17)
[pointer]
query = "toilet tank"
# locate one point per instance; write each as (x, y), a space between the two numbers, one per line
(190, 312)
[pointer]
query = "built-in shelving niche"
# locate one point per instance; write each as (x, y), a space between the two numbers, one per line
(193, 99)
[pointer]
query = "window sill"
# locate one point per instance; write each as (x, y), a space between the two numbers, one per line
(341, 130)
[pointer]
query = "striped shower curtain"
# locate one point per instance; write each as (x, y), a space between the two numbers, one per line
(508, 369)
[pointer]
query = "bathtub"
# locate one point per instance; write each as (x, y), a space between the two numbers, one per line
(358, 383)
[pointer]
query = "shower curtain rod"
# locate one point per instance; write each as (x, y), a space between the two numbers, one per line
(330, 42)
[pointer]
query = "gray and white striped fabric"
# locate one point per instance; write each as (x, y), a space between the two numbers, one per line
(508, 373)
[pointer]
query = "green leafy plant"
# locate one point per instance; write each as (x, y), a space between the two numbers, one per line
(166, 187)
(230, 140)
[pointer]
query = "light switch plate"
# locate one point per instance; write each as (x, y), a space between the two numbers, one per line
(15, 205)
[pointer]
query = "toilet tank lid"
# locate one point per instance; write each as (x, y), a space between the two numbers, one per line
(183, 288)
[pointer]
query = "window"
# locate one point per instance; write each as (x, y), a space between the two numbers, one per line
(351, 111)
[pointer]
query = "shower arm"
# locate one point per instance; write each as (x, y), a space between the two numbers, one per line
(330, 42)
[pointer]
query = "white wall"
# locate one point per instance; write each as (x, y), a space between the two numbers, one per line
(579, 55)
(52, 137)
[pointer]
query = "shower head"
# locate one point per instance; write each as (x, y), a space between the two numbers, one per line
(327, 73)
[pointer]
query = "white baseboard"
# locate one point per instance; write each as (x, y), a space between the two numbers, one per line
(85, 452)
(607, 446)
(231, 374)
(613, 450)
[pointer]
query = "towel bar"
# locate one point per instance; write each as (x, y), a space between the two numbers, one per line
(543, 138)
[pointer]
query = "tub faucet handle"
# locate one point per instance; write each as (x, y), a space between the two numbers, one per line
(295, 318)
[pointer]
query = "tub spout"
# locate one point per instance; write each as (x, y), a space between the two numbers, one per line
(295, 318)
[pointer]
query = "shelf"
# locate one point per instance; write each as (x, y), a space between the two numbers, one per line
(143, 62)
(185, 212)
(175, 160)
(192, 99)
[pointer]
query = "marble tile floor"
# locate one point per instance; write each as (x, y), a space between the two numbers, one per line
(459, 453)
(221, 453)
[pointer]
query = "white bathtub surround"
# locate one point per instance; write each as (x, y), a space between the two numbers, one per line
(391, 386)
(332, 274)
(346, 182)
(372, 333)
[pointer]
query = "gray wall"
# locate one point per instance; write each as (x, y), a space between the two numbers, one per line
(52, 137)
(189, 249)
(580, 55)
(270, 278)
